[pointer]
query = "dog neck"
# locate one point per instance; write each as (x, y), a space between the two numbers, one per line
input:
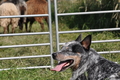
(93, 64)
(103, 69)
(85, 63)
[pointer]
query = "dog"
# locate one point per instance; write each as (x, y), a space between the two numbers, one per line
(85, 62)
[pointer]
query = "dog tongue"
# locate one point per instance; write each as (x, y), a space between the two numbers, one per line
(59, 67)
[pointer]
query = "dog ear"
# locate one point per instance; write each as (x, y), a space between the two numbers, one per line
(78, 38)
(86, 42)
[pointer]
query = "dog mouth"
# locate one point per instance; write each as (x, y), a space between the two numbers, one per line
(62, 65)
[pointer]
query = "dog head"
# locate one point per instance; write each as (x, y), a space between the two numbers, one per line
(71, 53)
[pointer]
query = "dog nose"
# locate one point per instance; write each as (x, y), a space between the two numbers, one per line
(54, 55)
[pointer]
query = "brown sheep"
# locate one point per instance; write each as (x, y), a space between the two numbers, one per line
(36, 7)
(8, 9)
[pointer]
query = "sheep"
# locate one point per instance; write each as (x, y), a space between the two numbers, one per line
(36, 7)
(8, 9)
(22, 8)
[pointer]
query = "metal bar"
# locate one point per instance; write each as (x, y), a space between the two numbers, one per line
(17, 16)
(56, 24)
(91, 30)
(25, 45)
(50, 29)
(103, 41)
(34, 67)
(62, 14)
(25, 57)
(23, 34)
(92, 12)
(106, 52)
(100, 41)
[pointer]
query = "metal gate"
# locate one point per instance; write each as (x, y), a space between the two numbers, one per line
(57, 34)
(80, 31)
(31, 45)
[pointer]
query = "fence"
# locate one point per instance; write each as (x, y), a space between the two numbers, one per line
(57, 34)
(31, 45)
(79, 31)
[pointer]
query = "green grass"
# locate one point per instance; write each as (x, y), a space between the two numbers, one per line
(46, 74)
(34, 74)
(68, 23)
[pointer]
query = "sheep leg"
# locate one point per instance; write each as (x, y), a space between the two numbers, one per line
(46, 19)
(20, 24)
(30, 26)
(13, 29)
(5, 30)
(14, 25)
(8, 28)
(26, 25)
(42, 26)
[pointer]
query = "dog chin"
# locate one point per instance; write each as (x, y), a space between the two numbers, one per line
(63, 65)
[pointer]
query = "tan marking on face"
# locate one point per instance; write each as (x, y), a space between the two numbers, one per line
(77, 62)
(62, 57)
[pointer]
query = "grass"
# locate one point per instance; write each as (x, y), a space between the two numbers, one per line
(46, 74)
(34, 74)
(79, 22)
